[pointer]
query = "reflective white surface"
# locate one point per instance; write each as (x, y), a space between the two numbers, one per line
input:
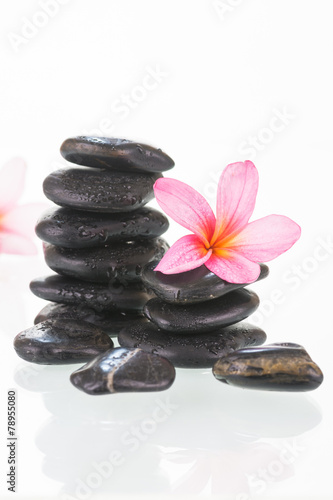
(200, 437)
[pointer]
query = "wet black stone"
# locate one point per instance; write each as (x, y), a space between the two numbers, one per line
(61, 341)
(124, 370)
(205, 316)
(110, 322)
(118, 261)
(274, 367)
(97, 296)
(77, 229)
(96, 190)
(117, 154)
(190, 287)
(197, 350)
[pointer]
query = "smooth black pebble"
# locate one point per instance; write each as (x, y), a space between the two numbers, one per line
(110, 322)
(273, 367)
(124, 370)
(205, 316)
(113, 153)
(96, 190)
(77, 229)
(118, 261)
(61, 341)
(191, 287)
(199, 350)
(116, 297)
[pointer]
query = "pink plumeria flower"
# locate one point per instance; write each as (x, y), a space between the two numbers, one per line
(228, 245)
(16, 221)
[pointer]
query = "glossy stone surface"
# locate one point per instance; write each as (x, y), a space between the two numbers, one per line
(190, 287)
(113, 153)
(205, 316)
(96, 190)
(199, 350)
(110, 322)
(77, 229)
(124, 370)
(61, 341)
(96, 296)
(118, 261)
(273, 367)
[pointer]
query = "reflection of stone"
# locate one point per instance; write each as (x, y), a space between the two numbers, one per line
(209, 444)
(229, 471)
(40, 378)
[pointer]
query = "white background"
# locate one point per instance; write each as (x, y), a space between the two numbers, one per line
(225, 72)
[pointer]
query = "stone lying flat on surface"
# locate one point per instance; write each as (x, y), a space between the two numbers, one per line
(118, 261)
(110, 322)
(61, 341)
(96, 190)
(112, 153)
(97, 296)
(273, 367)
(77, 229)
(190, 287)
(199, 350)
(205, 316)
(124, 370)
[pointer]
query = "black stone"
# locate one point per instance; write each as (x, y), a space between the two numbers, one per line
(117, 154)
(205, 316)
(199, 350)
(77, 229)
(96, 190)
(190, 287)
(110, 322)
(124, 370)
(274, 367)
(121, 262)
(116, 297)
(61, 341)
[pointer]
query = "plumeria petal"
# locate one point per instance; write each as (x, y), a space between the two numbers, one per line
(233, 267)
(186, 254)
(264, 239)
(186, 206)
(236, 197)
(22, 219)
(12, 177)
(16, 244)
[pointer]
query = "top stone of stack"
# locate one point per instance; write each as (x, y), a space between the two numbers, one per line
(115, 154)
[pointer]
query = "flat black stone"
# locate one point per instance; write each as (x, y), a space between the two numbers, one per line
(121, 262)
(274, 367)
(124, 370)
(61, 341)
(110, 322)
(112, 153)
(92, 295)
(199, 350)
(96, 190)
(205, 316)
(77, 229)
(190, 287)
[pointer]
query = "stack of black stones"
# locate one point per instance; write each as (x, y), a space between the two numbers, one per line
(104, 245)
(98, 243)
